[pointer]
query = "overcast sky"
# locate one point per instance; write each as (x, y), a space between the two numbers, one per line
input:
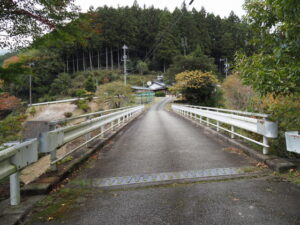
(218, 7)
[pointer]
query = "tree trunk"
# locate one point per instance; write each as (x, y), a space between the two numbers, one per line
(98, 60)
(164, 66)
(111, 59)
(91, 63)
(118, 59)
(77, 61)
(73, 64)
(106, 58)
(67, 65)
(83, 61)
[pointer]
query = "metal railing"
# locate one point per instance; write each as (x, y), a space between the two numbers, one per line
(86, 116)
(58, 101)
(19, 156)
(12, 160)
(292, 139)
(253, 122)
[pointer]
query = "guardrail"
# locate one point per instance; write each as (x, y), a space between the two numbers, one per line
(292, 141)
(19, 156)
(58, 101)
(253, 122)
(12, 160)
(53, 123)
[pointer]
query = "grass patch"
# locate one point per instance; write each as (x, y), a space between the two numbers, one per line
(56, 205)
(67, 159)
(251, 169)
(293, 175)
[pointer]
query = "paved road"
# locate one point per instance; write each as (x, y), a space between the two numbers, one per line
(159, 142)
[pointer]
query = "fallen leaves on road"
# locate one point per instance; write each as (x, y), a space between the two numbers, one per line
(95, 157)
(50, 218)
(233, 150)
(261, 165)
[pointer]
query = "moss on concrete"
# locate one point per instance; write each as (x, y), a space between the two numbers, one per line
(56, 205)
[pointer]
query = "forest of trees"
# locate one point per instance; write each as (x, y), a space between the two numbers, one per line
(152, 35)
(158, 38)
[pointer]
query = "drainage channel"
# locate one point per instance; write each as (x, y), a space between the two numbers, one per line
(162, 177)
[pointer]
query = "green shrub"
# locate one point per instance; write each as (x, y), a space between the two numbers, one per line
(81, 104)
(90, 84)
(80, 93)
(32, 111)
(68, 114)
(196, 87)
(90, 98)
(160, 94)
(11, 127)
(237, 95)
(115, 93)
(286, 111)
(47, 98)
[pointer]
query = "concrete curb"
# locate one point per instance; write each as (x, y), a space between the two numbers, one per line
(11, 215)
(34, 192)
(274, 162)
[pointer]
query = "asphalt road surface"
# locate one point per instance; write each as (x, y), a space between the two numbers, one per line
(149, 159)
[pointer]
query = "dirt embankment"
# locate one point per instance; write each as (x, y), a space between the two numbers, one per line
(50, 113)
(57, 111)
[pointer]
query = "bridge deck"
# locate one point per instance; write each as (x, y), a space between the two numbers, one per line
(166, 147)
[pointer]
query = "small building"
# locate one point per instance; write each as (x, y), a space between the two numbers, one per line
(158, 86)
(139, 89)
(153, 86)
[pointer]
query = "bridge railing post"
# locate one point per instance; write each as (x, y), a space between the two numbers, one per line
(112, 126)
(218, 124)
(265, 149)
(87, 137)
(15, 196)
(232, 130)
(102, 131)
(53, 157)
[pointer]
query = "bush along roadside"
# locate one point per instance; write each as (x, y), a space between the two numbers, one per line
(82, 104)
(283, 108)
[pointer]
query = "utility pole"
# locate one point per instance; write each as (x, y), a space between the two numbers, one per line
(125, 58)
